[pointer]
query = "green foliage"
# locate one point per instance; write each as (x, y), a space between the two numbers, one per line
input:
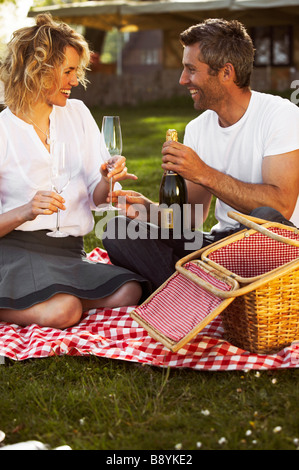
(110, 46)
(45, 3)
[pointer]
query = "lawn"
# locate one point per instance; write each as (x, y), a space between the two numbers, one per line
(92, 403)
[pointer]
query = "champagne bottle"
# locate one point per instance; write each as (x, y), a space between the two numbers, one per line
(172, 196)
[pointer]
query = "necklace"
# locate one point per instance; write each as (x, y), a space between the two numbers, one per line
(47, 134)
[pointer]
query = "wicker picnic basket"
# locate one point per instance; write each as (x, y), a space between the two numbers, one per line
(250, 279)
(264, 259)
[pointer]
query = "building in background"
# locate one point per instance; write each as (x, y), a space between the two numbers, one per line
(142, 51)
(148, 62)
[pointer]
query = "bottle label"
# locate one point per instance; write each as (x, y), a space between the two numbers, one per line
(167, 218)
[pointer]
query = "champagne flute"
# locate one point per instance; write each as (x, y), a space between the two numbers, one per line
(60, 176)
(111, 130)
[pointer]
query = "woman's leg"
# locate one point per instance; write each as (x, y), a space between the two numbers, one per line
(60, 311)
(128, 294)
(64, 310)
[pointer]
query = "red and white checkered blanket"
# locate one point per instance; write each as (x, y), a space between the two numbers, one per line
(114, 334)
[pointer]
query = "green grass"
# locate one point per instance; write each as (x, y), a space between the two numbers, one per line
(97, 403)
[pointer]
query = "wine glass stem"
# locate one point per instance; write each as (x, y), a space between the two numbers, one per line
(58, 220)
(111, 191)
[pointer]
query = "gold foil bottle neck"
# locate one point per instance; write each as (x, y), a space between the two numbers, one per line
(172, 134)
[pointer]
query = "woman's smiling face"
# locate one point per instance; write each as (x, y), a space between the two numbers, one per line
(62, 91)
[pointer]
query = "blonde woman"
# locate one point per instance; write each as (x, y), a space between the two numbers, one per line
(49, 281)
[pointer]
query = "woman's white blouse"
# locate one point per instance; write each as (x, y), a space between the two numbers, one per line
(25, 166)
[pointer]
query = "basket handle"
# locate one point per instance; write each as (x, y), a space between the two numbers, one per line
(206, 285)
(254, 223)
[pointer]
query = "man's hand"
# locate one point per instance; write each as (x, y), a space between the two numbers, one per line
(183, 160)
(131, 203)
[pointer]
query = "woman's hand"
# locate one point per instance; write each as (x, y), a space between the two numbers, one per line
(119, 172)
(43, 203)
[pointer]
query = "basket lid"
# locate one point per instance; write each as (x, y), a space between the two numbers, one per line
(181, 308)
(249, 255)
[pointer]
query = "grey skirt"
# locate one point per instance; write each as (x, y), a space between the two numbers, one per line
(34, 267)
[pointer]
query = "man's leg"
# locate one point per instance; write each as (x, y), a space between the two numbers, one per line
(147, 254)
(272, 215)
(138, 246)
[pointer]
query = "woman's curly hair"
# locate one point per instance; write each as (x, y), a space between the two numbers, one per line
(34, 56)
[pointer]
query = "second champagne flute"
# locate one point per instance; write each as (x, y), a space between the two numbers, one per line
(60, 176)
(111, 130)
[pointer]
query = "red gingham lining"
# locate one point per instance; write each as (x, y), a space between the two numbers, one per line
(181, 304)
(256, 254)
(114, 334)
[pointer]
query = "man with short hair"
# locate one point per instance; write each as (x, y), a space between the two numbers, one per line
(244, 149)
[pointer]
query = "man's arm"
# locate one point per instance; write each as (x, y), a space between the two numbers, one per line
(278, 190)
(197, 194)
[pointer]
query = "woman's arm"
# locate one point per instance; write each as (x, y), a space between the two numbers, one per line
(43, 203)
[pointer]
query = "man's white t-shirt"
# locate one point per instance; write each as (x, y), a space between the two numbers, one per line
(270, 126)
(25, 166)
